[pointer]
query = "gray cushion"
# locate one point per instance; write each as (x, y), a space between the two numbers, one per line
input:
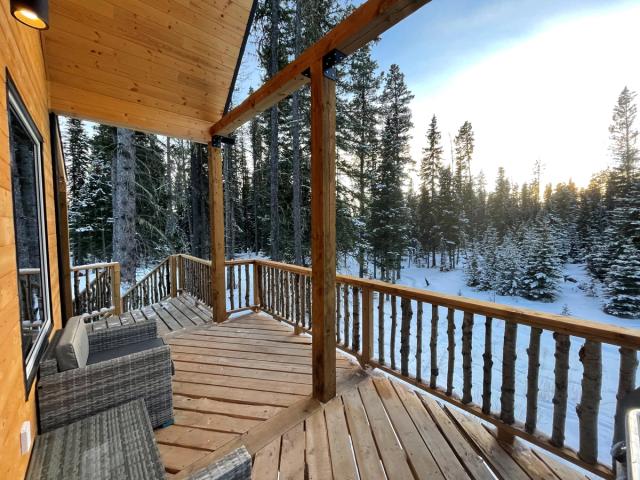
(73, 348)
(124, 350)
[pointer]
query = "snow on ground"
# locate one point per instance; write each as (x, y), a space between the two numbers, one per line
(580, 306)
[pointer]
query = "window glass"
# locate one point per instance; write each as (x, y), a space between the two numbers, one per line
(30, 237)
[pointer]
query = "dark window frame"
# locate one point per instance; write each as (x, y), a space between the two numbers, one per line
(17, 107)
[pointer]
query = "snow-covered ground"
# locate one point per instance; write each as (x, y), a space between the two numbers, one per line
(570, 297)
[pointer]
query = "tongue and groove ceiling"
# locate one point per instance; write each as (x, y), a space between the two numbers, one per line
(161, 66)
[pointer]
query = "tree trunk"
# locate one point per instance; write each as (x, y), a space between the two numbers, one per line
(295, 140)
(124, 205)
(199, 200)
(273, 142)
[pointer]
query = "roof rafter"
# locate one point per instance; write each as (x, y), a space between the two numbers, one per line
(365, 24)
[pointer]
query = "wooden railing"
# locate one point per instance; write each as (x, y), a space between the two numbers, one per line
(482, 357)
(154, 287)
(185, 273)
(30, 294)
(96, 289)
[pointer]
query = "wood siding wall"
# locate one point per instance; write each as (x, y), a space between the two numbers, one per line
(20, 53)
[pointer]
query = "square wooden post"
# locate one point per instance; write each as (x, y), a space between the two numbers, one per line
(116, 299)
(173, 265)
(216, 224)
(323, 233)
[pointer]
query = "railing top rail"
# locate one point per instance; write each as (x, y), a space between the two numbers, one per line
(240, 261)
(195, 259)
(93, 266)
(28, 271)
(143, 279)
(587, 329)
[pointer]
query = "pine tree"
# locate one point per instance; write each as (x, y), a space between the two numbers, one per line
(360, 136)
(77, 158)
(388, 210)
(472, 270)
(488, 260)
(508, 267)
(99, 191)
(623, 282)
(430, 169)
(541, 269)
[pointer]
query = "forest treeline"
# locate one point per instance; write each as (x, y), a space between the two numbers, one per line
(512, 239)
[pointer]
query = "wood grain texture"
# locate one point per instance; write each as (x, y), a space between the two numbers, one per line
(21, 55)
(323, 232)
(158, 66)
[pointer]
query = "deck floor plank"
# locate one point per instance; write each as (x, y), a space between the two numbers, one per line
(247, 382)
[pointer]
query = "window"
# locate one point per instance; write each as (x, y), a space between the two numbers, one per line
(30, 232)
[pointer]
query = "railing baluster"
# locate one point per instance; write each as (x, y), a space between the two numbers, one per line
(394, 327)
(533, 372)
(507, 397)
(626, 383)
(433, 347)
(419, 343)
(367, 325)
(231, 285)
(487, 366)
(405, 334)
(302, 287)
(347, 320)
(467, 340)
(356, 320)
(561, 371)
(239, 286)
(88, 290)
(451, 349)
(591, 358)
(247, 285)
(309, 306)
(381, 358)
(338, 314)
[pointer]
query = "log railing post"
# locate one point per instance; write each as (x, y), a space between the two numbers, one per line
(367, 325)
(115, 290)
(216, 224)
(257, 285)
(323, 233)
(173, 289)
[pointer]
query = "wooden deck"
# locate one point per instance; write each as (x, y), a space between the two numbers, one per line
(247, 382)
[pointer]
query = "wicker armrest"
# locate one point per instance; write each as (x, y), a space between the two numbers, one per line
(114, 337)
(49, 362)
(233, 466)
(78, 393)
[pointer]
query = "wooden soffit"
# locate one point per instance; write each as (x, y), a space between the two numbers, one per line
(160, 66)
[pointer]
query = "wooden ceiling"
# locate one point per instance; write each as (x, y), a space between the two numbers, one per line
(161, 66)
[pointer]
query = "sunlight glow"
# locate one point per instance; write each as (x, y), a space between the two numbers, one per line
(549, 97)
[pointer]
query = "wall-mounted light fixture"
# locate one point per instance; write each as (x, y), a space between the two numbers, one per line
(33, 13)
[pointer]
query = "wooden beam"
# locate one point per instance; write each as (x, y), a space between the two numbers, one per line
(216, 224)
(323, 232)
(366, 23)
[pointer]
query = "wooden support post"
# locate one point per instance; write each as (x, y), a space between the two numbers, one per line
(173, 288)
(367, 325)
(216, 224)
(115, 290)
(323, 232)
(257, 286)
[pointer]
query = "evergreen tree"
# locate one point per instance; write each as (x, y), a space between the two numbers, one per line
(77, 158)
(361, 140)
(508, 267)
(388, 210)
(430, 170)
(541, 269)
(623, 282)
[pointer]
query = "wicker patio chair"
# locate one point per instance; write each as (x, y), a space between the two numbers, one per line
(233, 466)
(124, 363)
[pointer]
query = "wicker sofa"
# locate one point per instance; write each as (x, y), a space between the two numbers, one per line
(122, 364)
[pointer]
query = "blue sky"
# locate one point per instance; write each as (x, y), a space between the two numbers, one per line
(537, 78)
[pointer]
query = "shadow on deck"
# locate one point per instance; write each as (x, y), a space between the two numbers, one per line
(248, 382)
